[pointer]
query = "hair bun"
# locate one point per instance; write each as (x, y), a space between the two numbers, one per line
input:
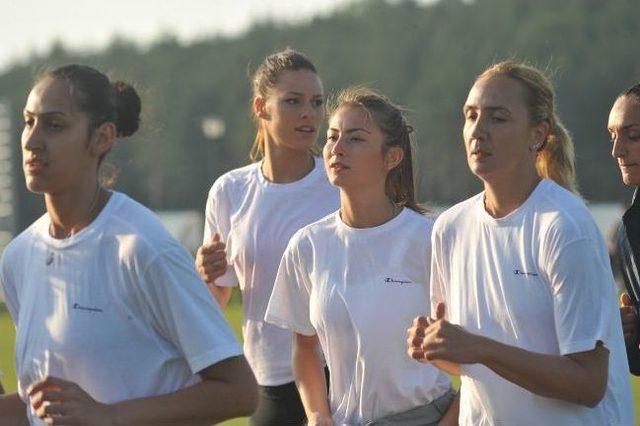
(128, 106)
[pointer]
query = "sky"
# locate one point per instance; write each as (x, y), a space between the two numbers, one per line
(28, 27)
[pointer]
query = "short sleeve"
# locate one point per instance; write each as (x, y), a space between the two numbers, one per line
(184, 312)
(8, 282)
(583, 295)
(218, 219)
(289, 303)
(437, 289)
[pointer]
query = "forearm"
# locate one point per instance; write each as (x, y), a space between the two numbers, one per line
(13, 412)
(450, 417)
(207, 402)
(551, 376)
(221, 294)
(311, 381)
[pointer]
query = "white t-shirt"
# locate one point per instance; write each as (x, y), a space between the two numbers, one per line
(359, 290)
(117, 308)
(538, 279)
(256, 218)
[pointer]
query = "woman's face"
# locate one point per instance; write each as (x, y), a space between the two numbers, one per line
(624, 127)
(55, 139)
(498, 138)
(293, 110)
(353, 154)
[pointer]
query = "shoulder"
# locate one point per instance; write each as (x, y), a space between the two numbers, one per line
(20, 244)
(137, 231)
(305, 238)
(234, 179)
(456, 214)
(561, 213)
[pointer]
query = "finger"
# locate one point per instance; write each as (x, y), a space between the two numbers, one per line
(214, 257)
(416, 332)
(625, 299)
(440, 310)
(47, 382)
(420, 321)
(215, 238)
(415, 353)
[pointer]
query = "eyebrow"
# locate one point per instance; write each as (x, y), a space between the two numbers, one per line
(319, 95)
(627, 127)
(355, 129)
(27, 112)
(465, 108)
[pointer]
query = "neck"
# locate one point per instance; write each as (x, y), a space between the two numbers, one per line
(71, 211)
(284, 165)
(505, 195)
(365, 208)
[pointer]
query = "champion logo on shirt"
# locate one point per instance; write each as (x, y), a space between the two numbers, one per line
(79, 307)
(396, 281)
(520, 272)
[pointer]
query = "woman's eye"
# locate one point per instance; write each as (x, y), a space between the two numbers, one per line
(471, 116)
(331, 138)
(498, 119)
(291, 101)
(318, 103)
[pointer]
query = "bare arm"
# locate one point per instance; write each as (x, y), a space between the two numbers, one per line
(310, 379)
(228, 390)
(450, 418)
(211, 263)
(13, 412)
(580, 378)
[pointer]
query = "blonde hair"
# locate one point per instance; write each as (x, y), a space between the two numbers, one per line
(391, 120)
(265, 78)
(556, 157)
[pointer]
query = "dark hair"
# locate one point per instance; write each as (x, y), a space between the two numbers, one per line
(556, 158)
(266, 77)
(102, 100)
(391, 120)
(631, 91)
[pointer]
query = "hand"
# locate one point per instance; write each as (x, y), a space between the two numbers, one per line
(211, 260)
(629, 319)
(443, 341)
(318, 419)
(59, 402)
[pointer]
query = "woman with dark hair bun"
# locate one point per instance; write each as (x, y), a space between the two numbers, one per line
(113, 324)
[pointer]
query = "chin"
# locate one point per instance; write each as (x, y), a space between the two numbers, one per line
(630, 180)
(35, 185)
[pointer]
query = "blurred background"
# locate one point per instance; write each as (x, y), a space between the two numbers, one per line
(190, 61)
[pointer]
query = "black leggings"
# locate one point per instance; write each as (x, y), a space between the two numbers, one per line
(280, 405)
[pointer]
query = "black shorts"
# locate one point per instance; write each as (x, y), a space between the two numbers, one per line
(280, 405)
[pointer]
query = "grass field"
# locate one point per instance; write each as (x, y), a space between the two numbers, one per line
(234, 315)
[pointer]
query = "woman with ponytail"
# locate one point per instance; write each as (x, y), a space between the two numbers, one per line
(522, 289)
(351, 282)
(113, 324)
(253, 211)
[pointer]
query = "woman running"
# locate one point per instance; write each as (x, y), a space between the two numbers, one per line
(252, 212)
(351, 282)
(522, 287)
(114, 326)
(624, 127)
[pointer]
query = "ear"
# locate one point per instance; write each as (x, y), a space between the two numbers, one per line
(393, 157)
(540, 133)
(260, 107)
(102, 138)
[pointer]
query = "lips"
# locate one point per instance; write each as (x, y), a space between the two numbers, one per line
(306, 129)
(35, 165)
(480, 155)
(338, 166)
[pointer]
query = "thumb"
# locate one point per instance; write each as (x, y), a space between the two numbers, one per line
(625, 299)
(440, 310)
(215, 238)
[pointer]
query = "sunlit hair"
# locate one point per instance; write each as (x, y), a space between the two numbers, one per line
(266, 77)
(631, 91)
(556, 158)
(391, 120)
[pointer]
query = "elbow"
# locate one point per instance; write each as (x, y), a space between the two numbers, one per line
(594, 397)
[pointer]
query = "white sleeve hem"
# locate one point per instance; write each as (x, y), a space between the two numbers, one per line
(288, 325)
(585, 345)
(200, 362)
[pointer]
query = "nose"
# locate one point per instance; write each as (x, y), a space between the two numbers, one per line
(31, 138)
(338, 146)
(618, 149)
(309, 110)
